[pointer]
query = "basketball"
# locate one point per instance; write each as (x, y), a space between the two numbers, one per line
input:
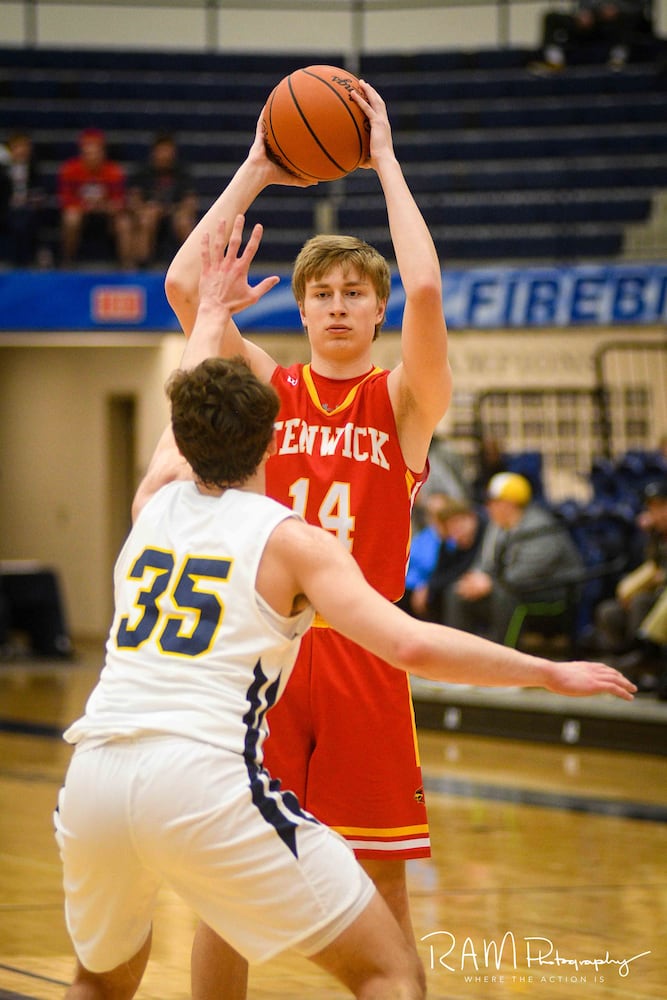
(313, 127)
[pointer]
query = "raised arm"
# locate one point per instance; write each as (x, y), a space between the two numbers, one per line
(182, 281)
(223, 290)
(319, 567)
(421, 385)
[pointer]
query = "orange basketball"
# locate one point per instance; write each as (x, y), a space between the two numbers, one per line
(313, 127)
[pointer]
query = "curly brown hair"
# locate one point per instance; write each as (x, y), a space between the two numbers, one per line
(222, 416)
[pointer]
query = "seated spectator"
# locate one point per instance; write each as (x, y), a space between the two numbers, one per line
(523, 558)
(31, 604)
(648, 662)
(653, 646)
(424, 549)
(653, 628)
(464, 529)
(91, 190)
(446, 473)
(622, 625)
(24, 200)
(490, 460)
(163, 203)
(614, 24)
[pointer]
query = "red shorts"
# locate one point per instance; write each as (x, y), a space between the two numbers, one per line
(343, 739)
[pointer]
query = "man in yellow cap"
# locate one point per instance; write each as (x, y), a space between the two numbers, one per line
(527, 551)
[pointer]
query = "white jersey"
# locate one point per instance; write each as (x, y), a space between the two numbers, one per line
(193, 650)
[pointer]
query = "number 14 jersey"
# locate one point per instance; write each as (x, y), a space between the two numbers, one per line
(339, 464)
(343, 737)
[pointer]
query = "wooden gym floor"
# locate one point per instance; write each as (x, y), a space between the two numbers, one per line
(548, 877)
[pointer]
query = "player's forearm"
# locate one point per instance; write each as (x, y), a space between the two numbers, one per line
(415, 251)
(464, 658)
(425, 649)
(208, 335)
(335, 586)
(443, 654)
(425, 380)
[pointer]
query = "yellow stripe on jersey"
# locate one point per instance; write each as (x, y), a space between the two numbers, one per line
(312, 391)
(387, 831)
(414, 722)
(411, 484)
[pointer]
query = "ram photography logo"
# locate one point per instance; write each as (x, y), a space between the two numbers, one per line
(530, 960)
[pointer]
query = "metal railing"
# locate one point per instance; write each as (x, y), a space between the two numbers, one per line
(356, 10)
(624, 409)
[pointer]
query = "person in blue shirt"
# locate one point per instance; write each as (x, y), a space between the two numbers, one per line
(424, 553)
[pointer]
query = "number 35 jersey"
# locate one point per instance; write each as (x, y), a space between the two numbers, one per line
(339, 465)
(193, 650)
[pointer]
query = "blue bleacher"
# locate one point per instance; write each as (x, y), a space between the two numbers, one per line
(621, 480)
(506, 167)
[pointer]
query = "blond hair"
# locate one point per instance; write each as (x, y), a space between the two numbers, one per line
(321, 254)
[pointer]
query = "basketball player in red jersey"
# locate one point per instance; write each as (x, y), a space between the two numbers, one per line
(353, 441)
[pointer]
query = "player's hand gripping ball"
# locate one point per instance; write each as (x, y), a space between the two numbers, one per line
(313, 127)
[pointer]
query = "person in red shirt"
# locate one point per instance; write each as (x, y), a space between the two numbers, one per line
(91, 191)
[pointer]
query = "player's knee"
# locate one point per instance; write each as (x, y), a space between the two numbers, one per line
(417, 975)
(405, 983)
(420, 972)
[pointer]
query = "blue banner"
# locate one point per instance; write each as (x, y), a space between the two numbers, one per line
(480, 298)
(586, 295)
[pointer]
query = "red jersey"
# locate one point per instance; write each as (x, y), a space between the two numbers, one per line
(342, 468)
(78, 185)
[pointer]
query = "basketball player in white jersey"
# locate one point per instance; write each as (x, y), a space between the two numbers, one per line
(214, 587)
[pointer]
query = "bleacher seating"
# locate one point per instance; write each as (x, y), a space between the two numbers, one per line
(506, 167)
(622, 480)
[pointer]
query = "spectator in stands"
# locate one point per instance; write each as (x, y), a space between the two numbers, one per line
(24, 200)
(424, 550)
(464, 529)
(614, 24)
(653, 646)
(620, 621)
(446, 471)
(446, 476)
(524, 557)
(163, 203)
(91, 190)
(654, 627)
(491, 460)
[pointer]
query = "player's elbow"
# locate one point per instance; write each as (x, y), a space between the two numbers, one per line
(173, 287)
(426, 289)
(411, 649)
(179, 294)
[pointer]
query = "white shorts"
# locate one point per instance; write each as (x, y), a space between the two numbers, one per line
(263, 874)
